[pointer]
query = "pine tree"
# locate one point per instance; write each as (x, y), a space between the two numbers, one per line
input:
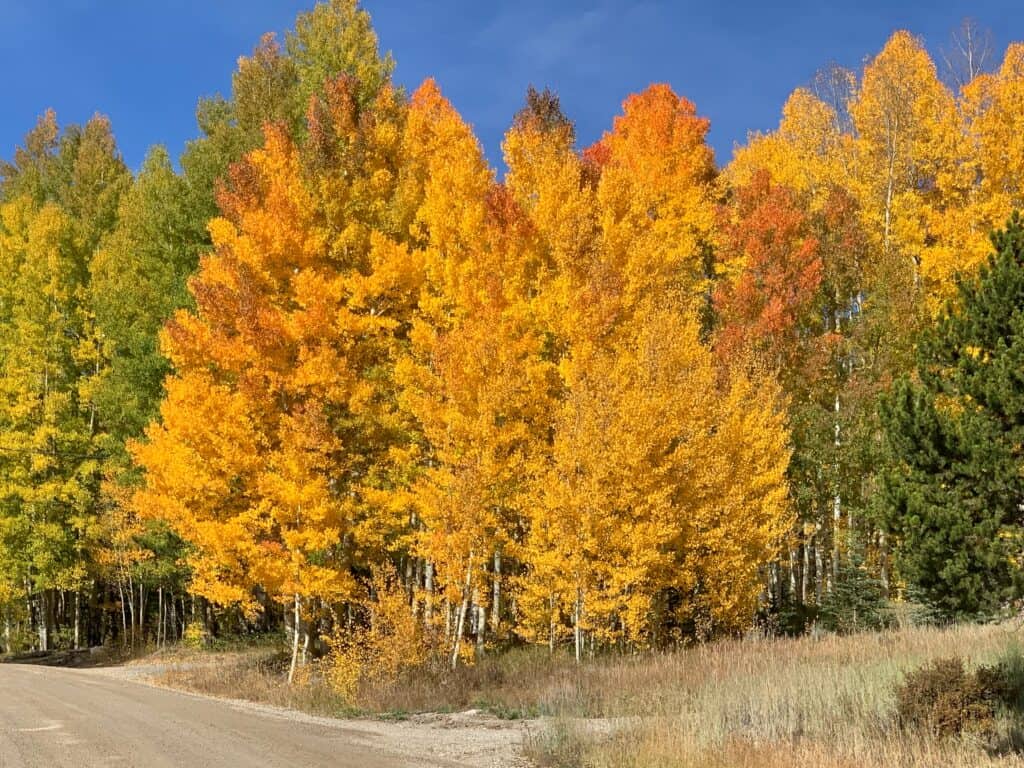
(856, 602)
(954, 486)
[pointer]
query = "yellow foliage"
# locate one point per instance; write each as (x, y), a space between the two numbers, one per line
(376, 652)
(808, 153)
(626, 502)
(393, 355)
(244, 461)
(933, 172)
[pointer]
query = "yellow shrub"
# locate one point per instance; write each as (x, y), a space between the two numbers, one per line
(195, 635)
(377, 651)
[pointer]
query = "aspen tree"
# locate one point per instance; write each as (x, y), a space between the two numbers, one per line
(473, 378)
(245, 461)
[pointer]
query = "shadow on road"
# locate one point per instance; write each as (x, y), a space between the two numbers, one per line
(86, 657)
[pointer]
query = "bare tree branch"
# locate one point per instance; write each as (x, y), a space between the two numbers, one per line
(968, 54)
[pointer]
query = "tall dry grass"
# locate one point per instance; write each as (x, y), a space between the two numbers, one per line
(825, 702)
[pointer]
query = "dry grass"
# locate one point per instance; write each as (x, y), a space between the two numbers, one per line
(826, 702)
(810, 702)
(258, 675)
(520, 683)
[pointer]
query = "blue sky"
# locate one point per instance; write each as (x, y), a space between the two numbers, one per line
(144, 63)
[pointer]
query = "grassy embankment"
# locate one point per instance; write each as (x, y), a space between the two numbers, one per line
(826, 702)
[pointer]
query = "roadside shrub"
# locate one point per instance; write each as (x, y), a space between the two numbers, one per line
(946, 699)
(390, 641)
(195, 636)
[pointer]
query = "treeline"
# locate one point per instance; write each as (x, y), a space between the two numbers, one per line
(616, 398)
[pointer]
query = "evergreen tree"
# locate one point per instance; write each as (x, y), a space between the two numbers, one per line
(857, 600)
(954, 488)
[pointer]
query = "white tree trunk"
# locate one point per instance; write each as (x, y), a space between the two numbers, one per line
(805, 572)
(551, 627)
(124, 614)
(577, 616)
(883, 557)
(295, 639)
(793, 567)
(45, 618)
(837, 510)
(428, 587)
(496, 597)
(481, 628)
(819, 566)
(460, 620)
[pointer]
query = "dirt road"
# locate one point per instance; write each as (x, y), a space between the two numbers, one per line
(69, 717)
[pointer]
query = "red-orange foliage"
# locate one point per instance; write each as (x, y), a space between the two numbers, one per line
(768, 239)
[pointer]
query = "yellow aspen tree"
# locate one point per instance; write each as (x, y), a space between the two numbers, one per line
(638, 529)
(610, 552)
(908, 150)
(992, 106)
(356, 158)
(554, 187)
(807, 153)
(48, 467)
(739, 523)
(556, 190)
(997, 111)
(444, 185)
(550, 183)
(470, 378)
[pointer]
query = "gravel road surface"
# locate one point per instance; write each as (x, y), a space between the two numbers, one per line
(52, 717)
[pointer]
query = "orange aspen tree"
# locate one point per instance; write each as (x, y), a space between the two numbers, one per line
(233, 464)
(772, 256)
(271, 418)
(655, 197)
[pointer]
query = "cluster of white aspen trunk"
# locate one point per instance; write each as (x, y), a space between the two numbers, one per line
(129, 615)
